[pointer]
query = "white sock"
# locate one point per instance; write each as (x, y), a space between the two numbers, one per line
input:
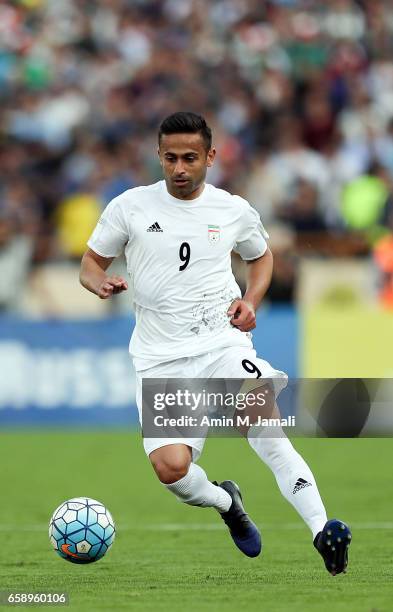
(195, 489)
(288, 467)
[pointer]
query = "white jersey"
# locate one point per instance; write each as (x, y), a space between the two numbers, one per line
(178, 256)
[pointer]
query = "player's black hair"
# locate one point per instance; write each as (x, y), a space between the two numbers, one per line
(186, 123)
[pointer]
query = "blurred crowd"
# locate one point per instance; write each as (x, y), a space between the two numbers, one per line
(299, 94)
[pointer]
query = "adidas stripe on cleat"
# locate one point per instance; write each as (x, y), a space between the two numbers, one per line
(243, 531)
(332, 544)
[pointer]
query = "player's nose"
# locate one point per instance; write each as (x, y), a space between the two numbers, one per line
(179, 169)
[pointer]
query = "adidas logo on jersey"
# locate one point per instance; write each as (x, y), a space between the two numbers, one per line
(301, 484)
(154, 228)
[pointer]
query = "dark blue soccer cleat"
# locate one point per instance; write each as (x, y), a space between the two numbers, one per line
(332, 543)
(244, 532)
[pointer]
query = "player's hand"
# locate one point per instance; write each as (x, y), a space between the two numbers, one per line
(110, 286)
(242, 315)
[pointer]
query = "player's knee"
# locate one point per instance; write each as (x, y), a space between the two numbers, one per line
(170, 472)
(172, 468)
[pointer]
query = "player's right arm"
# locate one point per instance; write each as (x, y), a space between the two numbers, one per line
(94, 278)
(107, 242)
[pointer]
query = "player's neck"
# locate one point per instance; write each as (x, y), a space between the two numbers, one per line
(191, 196)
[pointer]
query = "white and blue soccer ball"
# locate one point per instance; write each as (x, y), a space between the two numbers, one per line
(81, 530)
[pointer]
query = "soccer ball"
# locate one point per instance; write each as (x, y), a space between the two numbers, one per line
(81, 530)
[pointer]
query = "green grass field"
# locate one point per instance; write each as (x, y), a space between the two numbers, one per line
(168, 556)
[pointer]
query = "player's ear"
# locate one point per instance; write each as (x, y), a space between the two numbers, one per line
(210, 157)
(159, 156)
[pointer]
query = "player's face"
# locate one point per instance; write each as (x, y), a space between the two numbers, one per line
(184, 160)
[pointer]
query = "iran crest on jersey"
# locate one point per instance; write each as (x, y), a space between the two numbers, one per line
(213, 233)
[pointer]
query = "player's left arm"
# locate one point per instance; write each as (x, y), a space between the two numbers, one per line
(259, 275)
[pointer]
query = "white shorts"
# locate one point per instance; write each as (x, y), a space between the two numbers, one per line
(222, 363)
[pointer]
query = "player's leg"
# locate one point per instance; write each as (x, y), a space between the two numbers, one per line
(172, 460)
(297, 484)
(293, 475)
(188, 481)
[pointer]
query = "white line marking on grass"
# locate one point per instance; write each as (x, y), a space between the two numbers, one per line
(263, 526)
(203, 527)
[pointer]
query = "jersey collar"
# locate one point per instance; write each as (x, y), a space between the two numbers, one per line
(185, 203)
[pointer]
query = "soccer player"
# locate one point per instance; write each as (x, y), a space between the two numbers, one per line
(192, 321)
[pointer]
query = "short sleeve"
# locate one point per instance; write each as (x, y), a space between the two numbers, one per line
(251, 240)
(111, 233)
